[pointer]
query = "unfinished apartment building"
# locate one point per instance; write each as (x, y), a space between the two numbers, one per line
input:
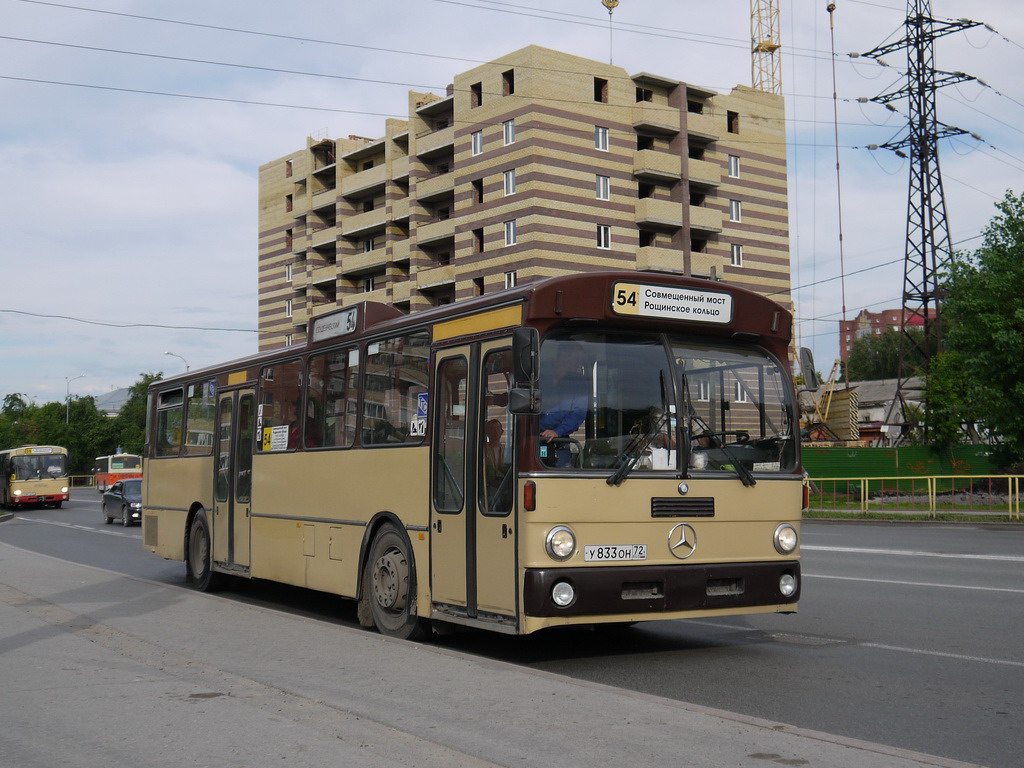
(536, 164)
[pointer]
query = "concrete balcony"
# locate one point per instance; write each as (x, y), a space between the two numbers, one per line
(701, 264)
(322, 308)
(704, 172)
(656, 118)
(703, 126)
(435, 186)
(400, 250)
(364, 182)
(380, 295)
(664, 214)
(705, 219)
(363, 223)
(326, 199)
(657, 166)
(300, 316)
(660, 259)
(401, 290)
(325, 274)
(432, 278)
(364, 262)
(321, 238)
(400, 169)
(435, 232)
(300, 278)
(399, 209)
(436, 143)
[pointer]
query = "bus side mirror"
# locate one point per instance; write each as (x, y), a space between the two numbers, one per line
(524, 401)
(525, 354)
(808, 370)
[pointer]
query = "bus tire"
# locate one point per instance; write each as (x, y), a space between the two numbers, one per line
(199, 556)
(389, 586)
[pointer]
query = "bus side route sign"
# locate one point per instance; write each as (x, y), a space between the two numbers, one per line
(664, 301)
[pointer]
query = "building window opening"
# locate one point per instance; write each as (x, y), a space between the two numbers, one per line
(601, 90)
(508, 82)
(476, 95)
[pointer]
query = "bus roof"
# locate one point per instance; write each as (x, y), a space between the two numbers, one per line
(549, 302)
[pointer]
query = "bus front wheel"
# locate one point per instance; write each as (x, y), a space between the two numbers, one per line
(389, 586)
(199, 564)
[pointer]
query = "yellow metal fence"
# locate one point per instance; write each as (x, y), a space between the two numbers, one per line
(931, 495)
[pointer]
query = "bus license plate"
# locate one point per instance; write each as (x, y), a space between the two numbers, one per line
(615, 552)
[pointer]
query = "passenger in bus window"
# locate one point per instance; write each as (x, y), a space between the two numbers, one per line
(565, 395)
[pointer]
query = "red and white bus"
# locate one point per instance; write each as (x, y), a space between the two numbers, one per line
(119, 466)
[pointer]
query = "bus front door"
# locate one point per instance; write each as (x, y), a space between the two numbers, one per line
(473, 566)
(233, 479)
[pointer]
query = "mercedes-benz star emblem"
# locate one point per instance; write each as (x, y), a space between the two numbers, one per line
(683, 489)
(682, 540)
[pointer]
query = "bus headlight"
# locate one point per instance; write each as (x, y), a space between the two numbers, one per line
(561, 543)
(64, 489)
(785, 539)
(563, 594)
(17, 491)
(787, 584)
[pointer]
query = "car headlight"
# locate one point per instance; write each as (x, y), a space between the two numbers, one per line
(64, 489)
(17, 492)
(136, 505)
(560, 543)
(785, 539)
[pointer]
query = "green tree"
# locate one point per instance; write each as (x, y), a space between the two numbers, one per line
(877, 356)
(983, 323)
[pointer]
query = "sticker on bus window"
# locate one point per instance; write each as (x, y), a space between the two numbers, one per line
(421, 405)
(418, 427)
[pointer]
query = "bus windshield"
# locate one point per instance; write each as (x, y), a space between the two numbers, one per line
(125, 462)
(39, 466)
(611, 397)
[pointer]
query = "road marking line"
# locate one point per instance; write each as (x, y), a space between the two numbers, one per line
(958, 656)
(79, 527)
(916, 583)
(915, 553)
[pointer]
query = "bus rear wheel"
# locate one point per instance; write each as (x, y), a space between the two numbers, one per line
(389, 586)
(199, 555)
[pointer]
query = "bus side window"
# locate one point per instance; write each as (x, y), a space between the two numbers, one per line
(450, 457)
(396, 377)
(331, 401)
(169, 419)
(281, 387)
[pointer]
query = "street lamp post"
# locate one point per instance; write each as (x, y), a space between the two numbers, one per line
(67, 396)
(180, 358)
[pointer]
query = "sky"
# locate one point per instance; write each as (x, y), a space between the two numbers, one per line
(128, 182)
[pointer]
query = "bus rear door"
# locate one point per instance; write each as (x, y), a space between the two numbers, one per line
(236, 424)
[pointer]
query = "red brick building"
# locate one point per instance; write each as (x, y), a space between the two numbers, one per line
(872, 324)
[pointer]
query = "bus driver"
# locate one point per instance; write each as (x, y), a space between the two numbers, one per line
(565, 395)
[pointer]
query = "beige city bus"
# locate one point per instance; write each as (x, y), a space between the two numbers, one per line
(593, 449)
(34, 475)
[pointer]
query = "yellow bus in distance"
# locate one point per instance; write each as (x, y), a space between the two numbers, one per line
(34, 475)
(600, 448)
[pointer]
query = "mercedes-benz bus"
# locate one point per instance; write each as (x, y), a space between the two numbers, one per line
(34, 475)
(601, 448)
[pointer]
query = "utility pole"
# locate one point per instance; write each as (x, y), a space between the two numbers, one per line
(928, 250)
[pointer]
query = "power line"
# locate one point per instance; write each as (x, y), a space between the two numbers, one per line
(128, 325)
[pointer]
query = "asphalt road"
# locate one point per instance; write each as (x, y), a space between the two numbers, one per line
(908, 635)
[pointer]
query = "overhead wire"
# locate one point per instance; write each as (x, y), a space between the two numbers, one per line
(128, 325)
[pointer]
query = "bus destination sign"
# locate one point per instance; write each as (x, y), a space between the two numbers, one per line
(335, 324)
(665, 301)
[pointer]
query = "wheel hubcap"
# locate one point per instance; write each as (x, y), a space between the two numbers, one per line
(390, 575)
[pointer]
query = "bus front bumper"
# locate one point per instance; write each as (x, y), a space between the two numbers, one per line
(607, 590)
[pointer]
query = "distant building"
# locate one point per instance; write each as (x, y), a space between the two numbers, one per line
(879, 412)
(536, 164)
(873, 324)
(111, 403)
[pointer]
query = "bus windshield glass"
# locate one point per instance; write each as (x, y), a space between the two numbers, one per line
(39, 467)
(125, 462)
(609, 398)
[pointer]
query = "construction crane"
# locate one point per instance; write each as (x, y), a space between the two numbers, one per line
(766, 60)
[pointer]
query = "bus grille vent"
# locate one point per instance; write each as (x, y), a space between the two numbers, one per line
(149, 537)
(693, 507)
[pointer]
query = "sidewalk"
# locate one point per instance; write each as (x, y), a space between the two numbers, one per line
(100, 669)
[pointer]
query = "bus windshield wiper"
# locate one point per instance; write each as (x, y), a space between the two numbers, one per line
(745, 475)
(632, 453)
